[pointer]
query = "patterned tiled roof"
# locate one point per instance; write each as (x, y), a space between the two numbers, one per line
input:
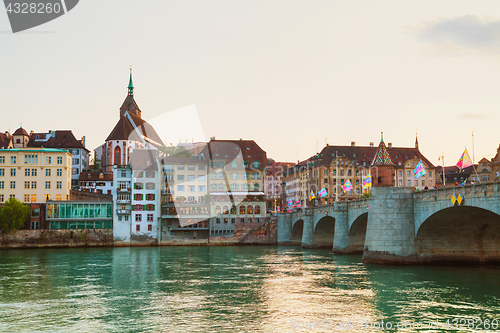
(382, 156)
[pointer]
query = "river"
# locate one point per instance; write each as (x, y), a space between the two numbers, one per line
(237, 289)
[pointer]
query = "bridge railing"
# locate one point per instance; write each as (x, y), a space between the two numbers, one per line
(469, 190)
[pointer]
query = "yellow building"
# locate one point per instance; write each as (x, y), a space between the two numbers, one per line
(35, 174)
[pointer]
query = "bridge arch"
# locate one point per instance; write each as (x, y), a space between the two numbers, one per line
(357, 234)
(324, 232)
(297, 229)
(459, 233)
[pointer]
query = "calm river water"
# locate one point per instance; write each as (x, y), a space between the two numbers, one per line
(237, 289)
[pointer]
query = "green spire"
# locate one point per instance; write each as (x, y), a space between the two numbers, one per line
(130, 85)
(381, 133)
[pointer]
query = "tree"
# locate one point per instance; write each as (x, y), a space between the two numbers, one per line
(13, 215)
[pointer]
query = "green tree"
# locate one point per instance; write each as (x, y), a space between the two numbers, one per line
(13, 215)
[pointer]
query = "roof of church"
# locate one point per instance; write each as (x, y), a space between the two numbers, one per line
(130, 105)
(61, 139)
(125, 129)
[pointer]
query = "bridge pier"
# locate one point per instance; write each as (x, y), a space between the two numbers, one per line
(390, 231)
(285, 225)
(308, 239)
(341, 237)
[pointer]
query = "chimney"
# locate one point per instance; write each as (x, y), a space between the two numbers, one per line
(353, 143)
(389, 145)
(212, 138)
(371, 144)
(83, 140)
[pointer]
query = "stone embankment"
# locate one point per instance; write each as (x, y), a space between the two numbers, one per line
(57, 238)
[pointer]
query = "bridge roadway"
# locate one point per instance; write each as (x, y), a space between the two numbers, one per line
(401, 225)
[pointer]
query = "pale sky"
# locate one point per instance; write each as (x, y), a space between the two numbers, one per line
(287, 74)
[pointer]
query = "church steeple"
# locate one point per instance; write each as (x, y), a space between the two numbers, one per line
(130, 85)
(416, 140)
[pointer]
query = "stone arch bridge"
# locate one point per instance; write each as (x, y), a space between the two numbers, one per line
(399, 225)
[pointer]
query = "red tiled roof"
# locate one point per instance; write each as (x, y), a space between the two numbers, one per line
(230, 149)
(20, 131)
(61, 139)
(399, 155)
(125, 129)
(90, 176)
(5, 141)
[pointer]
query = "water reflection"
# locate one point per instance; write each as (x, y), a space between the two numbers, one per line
(228, 289)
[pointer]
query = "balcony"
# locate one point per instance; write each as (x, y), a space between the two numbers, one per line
(165, 171)
(123, 190)
(123, 201)
(123, 211)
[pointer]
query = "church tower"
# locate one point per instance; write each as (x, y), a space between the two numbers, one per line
(382, 169)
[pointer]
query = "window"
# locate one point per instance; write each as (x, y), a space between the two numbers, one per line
(233, 220)
(191, 188)
(255, 175)
(255, 187)
(76, 161)
(180, 177)
(325, 172)
(221, 175)
(245, 175)
(150, 218)
(221, 164)
(48, 160)
(250, 209)
(150, 174)
(138, 186)
(138, 218)
(12, 196)
(349, 172)
(214, 175)
(423, 182)
(47, 185)
(180, 166)
(257, 209)
(242, 220)
(430, 174)
(33, 198)
(138, 196)
(27, 172)
(255, 164)
(26, 198)
(190, 166)
(245, 187)
(400, 173)
(408, 174)
(234, 164)
(12, 184)
(150, 186)
(201, 188)
(150, 227)
(249, 220)
(2, 159)
(400, 182)
(180, 188)
(1, 185)
(234, 175)
(201, 167)
(150, 196)
(47, 172)
(201, 178)
(191, 178)
(12, 160)
(58, 197)
(59, 160)
(34, 172)
(47, 197)
(409, 182)
(242, 209)
(221, 187)
(59, 172)
(137, 226)
(225, 220)
(12, 172)
(33, 185)
(2, 172)
(59, 184)
(1, 198)
(234, 187)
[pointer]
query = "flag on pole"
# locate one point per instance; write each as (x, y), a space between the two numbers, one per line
(347, 186)
(367, 182)
(463, 183)
(322, 193)
(311, 196)
(464, 160)
(419, 170)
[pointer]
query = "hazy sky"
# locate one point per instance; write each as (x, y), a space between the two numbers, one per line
(287, 74)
